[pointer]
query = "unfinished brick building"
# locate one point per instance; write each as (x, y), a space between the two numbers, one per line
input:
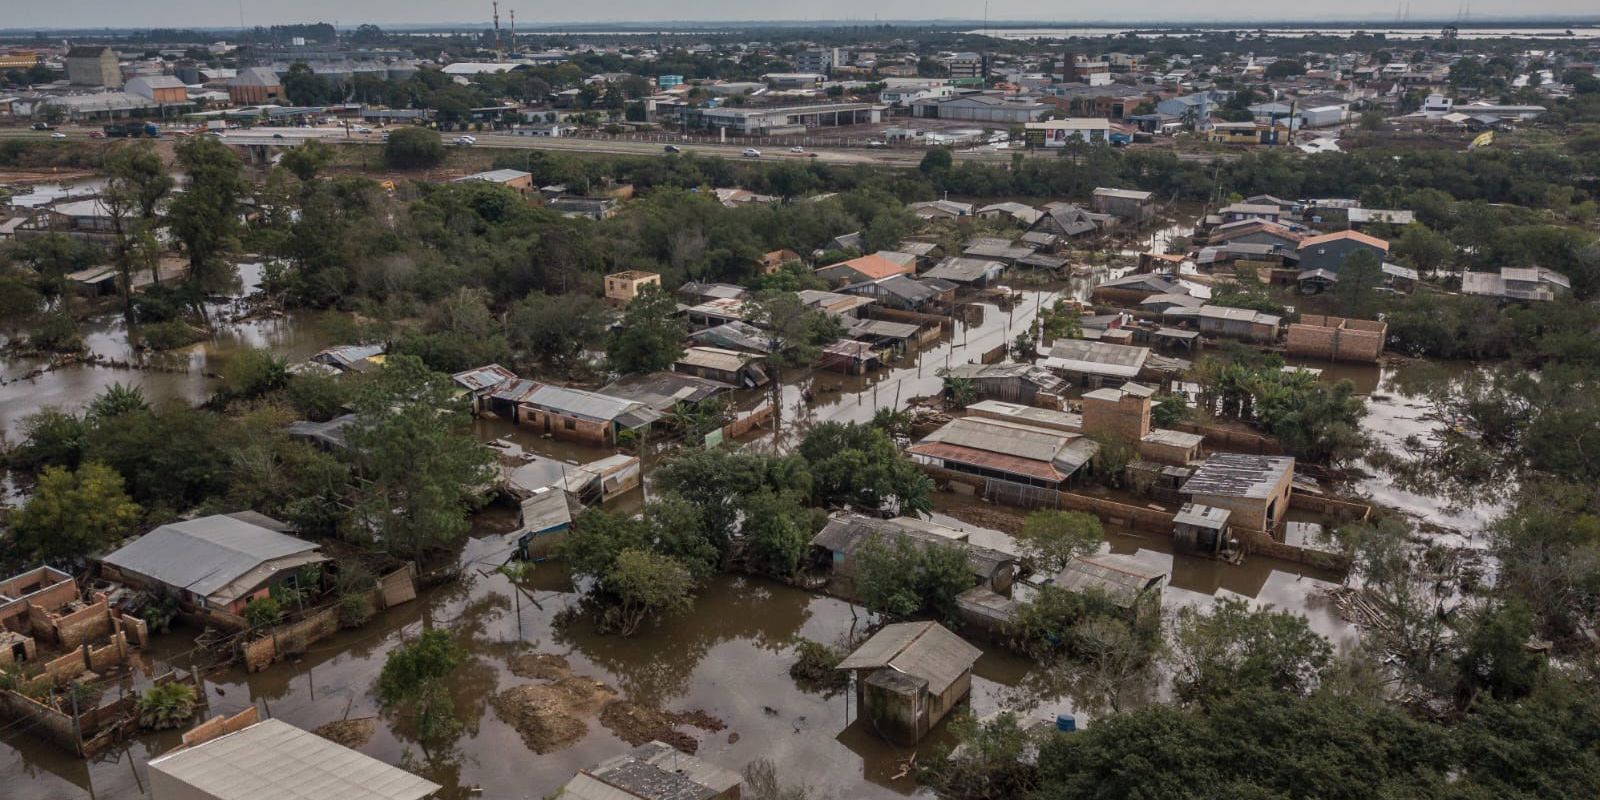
(1337, 338)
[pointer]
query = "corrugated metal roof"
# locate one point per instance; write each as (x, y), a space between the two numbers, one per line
(965, 270)
(485, 377)
(1121, 579)
(1238, 475)
(580, 403)
(207, 555)
(1097, 358)
(1008, 437)
(925, 650)
(545, 510)
(1201, 515)
(847, 531)
(273, 760)
(653, 771)
(714, 358)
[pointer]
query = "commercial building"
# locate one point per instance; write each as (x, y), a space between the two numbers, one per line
(819, 60)
(253, 86)
(93, 65)
(162, 90)
(991, 108)
(786, 119)
(1057, 132)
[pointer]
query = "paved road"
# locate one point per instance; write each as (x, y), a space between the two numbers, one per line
(829, 155)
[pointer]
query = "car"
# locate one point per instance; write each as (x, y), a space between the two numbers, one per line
(277, 136)
(751, 152)
(361, 129)
(97, 134)
(41, 126)
(797, 150)
(464, 141)
(877, 143)
(58, 135)
(672, 148)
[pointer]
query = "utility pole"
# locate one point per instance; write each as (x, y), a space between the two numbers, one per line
(496, 5)
(513, 42)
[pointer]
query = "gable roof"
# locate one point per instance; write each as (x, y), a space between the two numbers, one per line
(1238, 475)
(871, 267)
(1339, 236)
(925, 650)
(273, 759)
(1098, 358)
(215, 557)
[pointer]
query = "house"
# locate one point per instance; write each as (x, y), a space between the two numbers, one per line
(908, 676)
(1256, 231)
(1024, 215)
(905, 293)
(873, 267)
(1516, 283)
(775, 260)
(1011, 383)
(884, 334)
(1136, 288)
(695, 292)
(1255, 489)
(1336, 338)
(93, 65)
(835, 547)
(996, 249)
(515, 179)
(220, 562)
(622, 287)
(1091, 363)
(1201, 529)
(1128, 584)
(1067, 221)
(731, 367)
(1244, 324)
(1379, 216)
(735, 335)
(544, 518)
(975, 272)
(1125, 413)
(849, 242)
(1006, 451)
(719, 312)
(835, 304)
(161, 89)
(482, 382)
(653, 771)
(663, 392)
(255, 86)
(271, 758)
(1128, 205)
(592, 418)
(351, 357)
(850, 357)
(1329, 250)
(940, 209)
(1238, 212)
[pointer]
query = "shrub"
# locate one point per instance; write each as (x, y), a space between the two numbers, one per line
(168, 335)
(413, 148)
(817, 665)
(170, 705)
(263, 612)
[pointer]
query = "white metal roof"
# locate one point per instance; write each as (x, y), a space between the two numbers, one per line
(273, 760)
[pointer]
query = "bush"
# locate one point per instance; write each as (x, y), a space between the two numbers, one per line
(817, 665)
(354, 610)
(170, 705)
(168, 335)
(413, 148)
(58, 334)
(263, 612)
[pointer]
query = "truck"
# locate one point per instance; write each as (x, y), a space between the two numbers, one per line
(131, 130)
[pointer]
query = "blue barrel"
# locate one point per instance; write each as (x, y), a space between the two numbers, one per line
(1066, 723)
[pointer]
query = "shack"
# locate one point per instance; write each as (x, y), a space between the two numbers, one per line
(1200, 529)
(730, 367)
(1011, 382)
(975, 272)
(908, 676)
(1096, 364)
(589, 417)
(1129, 584)
(1240, 323)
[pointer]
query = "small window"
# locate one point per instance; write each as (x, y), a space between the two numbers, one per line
(569, 424)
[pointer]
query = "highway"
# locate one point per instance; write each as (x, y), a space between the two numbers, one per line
(884, 157)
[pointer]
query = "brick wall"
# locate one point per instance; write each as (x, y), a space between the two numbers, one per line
(84, 625)
(282, 640)
(1337, 338)
(1167, 454)
(1128, 418)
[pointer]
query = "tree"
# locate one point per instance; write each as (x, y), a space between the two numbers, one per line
(205, 218)
(308, 159)
(1284, 68)
(414, 681)
(900, 578)
(413, 147)
(651, 335)
(937, 160)
(421, 470)
(992, 762)
(1169, 410)
(1423, 249)
(1494, 655)
(857, 465)
(303, 86)
(1232, 648)
(74, 513)
(1050, 538)
(646, 586)
(775, 526)
(19, 304)
(555, 330)
(1360, 273)
(136, 184)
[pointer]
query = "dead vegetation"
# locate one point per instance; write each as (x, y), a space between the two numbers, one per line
(352, 733)
(636, 724)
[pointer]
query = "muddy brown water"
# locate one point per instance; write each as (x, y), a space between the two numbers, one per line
(729, 657)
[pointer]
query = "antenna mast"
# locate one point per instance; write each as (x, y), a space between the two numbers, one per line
(496, 5)
(513, 42)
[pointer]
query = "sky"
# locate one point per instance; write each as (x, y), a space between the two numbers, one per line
(348, 13)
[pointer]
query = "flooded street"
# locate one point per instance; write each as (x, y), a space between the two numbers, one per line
(729, 657)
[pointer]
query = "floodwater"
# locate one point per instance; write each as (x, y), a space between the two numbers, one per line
(729, 657)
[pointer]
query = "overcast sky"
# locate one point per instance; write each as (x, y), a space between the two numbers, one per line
(212, 13)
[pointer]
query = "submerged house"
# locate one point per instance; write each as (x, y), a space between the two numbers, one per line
(1006, 452)
(220, 562)
(908, 676)
(579, 415)
(1129, 584)
(653, 771)
(837, 544)
(1254, 489)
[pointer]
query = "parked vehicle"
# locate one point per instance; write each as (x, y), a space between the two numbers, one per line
(751, 152)
(797, 150)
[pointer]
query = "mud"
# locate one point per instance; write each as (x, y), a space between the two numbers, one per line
(353, 733)
(539, 666)
(549, 716)
(637, 724)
